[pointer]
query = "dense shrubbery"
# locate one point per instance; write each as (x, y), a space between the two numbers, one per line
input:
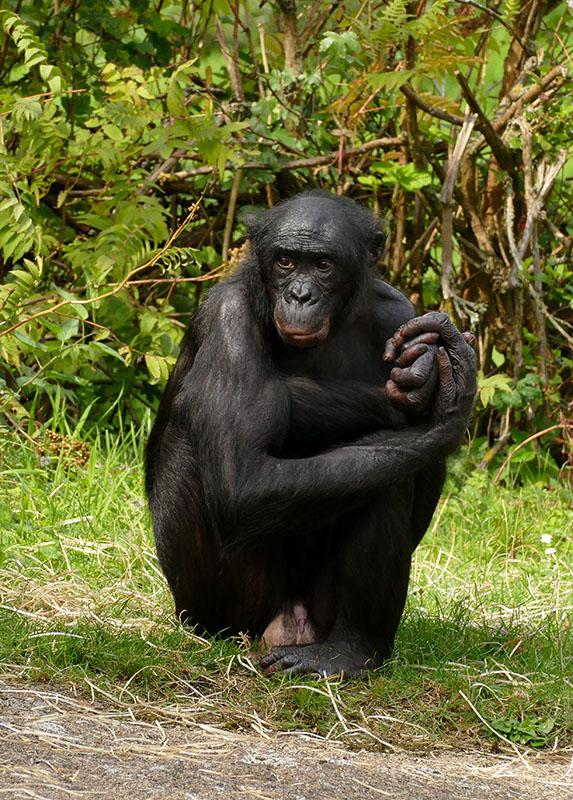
(135, 136)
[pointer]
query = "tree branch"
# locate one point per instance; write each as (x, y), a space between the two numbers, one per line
(502, 153)
(297, 163)
(446, 197)
(434, 111)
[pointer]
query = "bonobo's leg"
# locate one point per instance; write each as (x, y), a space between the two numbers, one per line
(362, 594)
(230, 594)
(217, 591)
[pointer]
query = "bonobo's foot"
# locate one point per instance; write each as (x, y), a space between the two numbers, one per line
(327, 658)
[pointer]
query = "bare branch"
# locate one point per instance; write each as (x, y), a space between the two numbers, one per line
(297, 163)
(502, 153)
(530, 94)
(537, 201)
(446, 196)
(231, 214)
(231, 62)
(288, 8)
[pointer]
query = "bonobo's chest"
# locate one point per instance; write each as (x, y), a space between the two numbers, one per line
(340, 358)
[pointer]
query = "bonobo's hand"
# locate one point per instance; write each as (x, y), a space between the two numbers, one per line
(413, 380)
(456, 363)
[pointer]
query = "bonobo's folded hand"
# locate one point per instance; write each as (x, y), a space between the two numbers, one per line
(433, 336)
(414, 378)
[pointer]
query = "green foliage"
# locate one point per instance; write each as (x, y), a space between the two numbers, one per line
(488, 387)
(119, 118)
(486, 621)
(390, 174)
(529, 732)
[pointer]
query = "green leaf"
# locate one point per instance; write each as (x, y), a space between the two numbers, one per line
(175, 98)
(157, 366)
(487, 387)
(113, 132)
(389, 81)
(68, 329)
(497, 357)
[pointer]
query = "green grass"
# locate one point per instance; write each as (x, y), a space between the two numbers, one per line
(484, 653)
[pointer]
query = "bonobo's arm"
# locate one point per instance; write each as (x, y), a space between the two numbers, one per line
(236, 405)
(330, 411)
(324, 412)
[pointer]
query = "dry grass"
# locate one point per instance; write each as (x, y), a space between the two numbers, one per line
(484, 653)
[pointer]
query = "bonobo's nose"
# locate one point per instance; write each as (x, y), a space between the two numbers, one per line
(300, 291)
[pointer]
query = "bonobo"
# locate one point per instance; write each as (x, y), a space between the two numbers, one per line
(298, 452)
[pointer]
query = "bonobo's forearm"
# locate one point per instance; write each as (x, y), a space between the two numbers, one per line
(289, 497)
(339, 411)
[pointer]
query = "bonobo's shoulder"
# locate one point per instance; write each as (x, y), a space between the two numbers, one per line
(391, 307)
(225, 306)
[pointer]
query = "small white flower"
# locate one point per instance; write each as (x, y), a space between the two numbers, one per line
(546, 538)
(550, 551)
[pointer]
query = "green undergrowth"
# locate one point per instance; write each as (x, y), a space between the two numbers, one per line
(484, 653)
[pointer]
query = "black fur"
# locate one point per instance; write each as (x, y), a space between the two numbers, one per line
(278, 473)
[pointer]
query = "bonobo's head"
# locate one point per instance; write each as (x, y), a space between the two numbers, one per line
(313, 251)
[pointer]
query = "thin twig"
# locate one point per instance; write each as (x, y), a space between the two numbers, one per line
(499, 17)
(232, 65)
(434, 111)
(502, 153)
(550, 318)
(297, 163)
(560, 71)
(558, 426)
(118, 287)
(231, 214)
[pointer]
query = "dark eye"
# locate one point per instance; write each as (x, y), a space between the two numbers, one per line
(325, 266)
(285, 262)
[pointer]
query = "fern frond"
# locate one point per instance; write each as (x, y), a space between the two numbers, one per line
(395, 13)
(31, 49)
(19, 287)
(511, 10)
(180, 259)
(17, 230)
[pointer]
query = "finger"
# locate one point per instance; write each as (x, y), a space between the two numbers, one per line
(469, 337)
(445, 368)
(285, 663)
(396, 396)
(268, 659)
(395, 345)
(296, 669)
(391, 350)
(415, 376)
(404, 401)
(435, 322)
(424, 338)
(410, 354)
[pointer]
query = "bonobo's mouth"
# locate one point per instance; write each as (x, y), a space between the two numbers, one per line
(301, 338)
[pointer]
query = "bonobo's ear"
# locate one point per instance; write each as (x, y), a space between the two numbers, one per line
(376, 246)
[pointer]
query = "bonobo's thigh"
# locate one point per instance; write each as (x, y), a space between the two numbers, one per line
(219, 592)
(215, 589)
(374, 568)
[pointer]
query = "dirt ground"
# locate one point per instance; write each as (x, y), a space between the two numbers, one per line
(55, 746)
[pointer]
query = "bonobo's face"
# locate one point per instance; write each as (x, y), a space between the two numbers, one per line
(305, 289)
(313, 252)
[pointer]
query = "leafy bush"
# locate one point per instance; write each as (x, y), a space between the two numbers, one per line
(136, 137)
